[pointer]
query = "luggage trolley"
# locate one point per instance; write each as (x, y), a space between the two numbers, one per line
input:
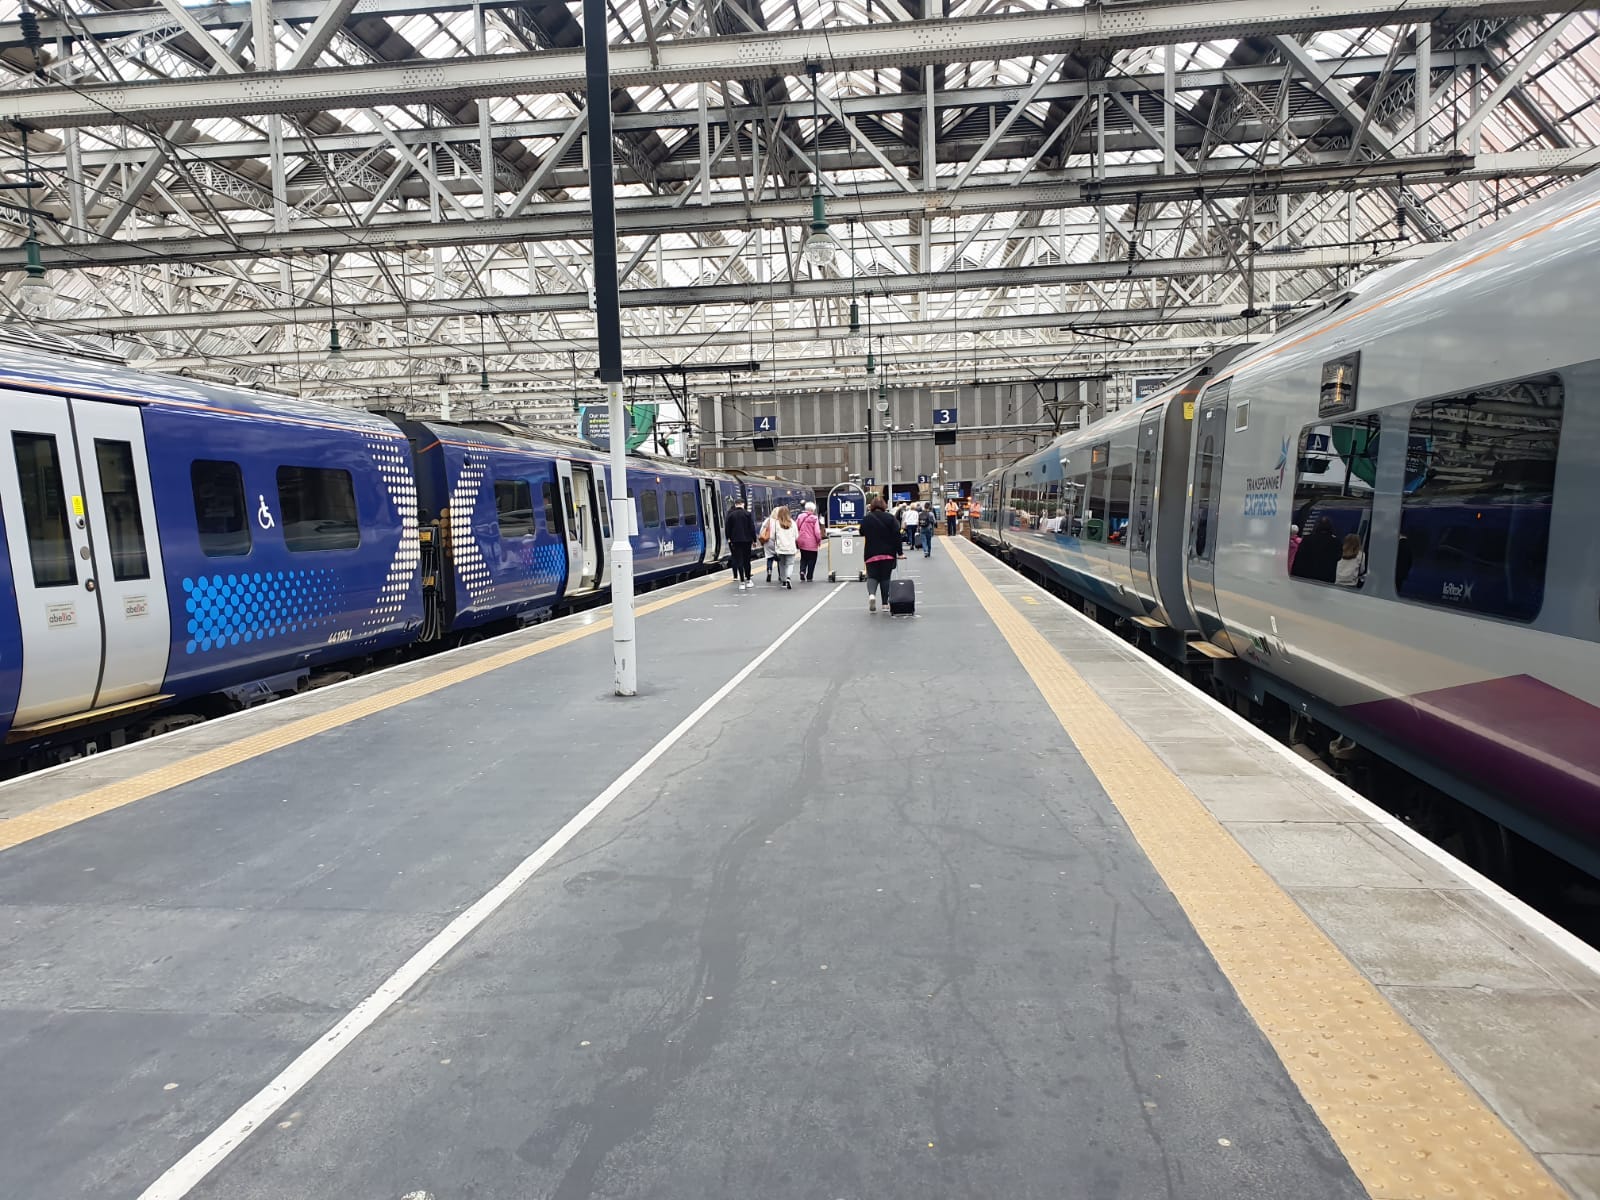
(847, 505)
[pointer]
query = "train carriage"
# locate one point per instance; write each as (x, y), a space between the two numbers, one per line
(167, 539)
(1442, 420)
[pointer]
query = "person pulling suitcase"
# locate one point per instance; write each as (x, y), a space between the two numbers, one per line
(880, 550)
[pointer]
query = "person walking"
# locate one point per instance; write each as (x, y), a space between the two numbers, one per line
(880, 549)
(785, 543)
(925, 524)
(952, 510)
(769, 551)
(740, 527)
(911, 517)
(809, 540)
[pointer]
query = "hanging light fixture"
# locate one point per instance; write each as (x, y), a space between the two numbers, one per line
(335, 354)
(883, 382)
(872, 364)
(483, 360)
(820, 246)
(34, 293)
(854, 338)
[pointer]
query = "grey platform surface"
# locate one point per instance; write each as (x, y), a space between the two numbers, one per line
(869, 930)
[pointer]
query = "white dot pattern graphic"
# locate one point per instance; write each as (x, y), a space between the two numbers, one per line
(394, 468)
(471, 566)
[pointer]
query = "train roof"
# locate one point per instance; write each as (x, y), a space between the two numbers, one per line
(33, 370)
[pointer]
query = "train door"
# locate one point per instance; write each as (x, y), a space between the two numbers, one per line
(1210, 436)
(713, 520)
(1143, 518)
(87, 567)
(583, 531)
(602, 514)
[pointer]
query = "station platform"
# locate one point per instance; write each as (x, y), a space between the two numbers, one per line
(973, 903)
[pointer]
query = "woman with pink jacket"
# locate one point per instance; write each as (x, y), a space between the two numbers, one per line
(810, 541)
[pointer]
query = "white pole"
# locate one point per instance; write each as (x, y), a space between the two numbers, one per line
(608, 336)
(625, 668)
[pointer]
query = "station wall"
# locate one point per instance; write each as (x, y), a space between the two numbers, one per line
(822, 436)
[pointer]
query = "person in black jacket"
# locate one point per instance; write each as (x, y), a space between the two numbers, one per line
(880, 538)
(740, 527)
(1318, 555)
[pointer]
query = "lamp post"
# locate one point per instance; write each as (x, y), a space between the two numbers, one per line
(608, 333)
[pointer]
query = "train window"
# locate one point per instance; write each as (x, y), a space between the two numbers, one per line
(552, 522)
(1094, 503)
(1119, 501)
(513, 505)
(44, 509)
(673, 514)
(119, 495)
(219, 510)
(691, 511)
(1209, 434)
(1475, 517)
(1144, 488)
(1241, 416)
(649, 508)
(317, 509)
(605, 505)
(1336, 468)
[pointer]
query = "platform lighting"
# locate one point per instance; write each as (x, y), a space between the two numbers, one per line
(820, 246)
(34, 293)
(853, 341)
(872, 364)
(335, 355)
(483, 360)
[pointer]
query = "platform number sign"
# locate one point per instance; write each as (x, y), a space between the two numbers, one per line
(944, 416)
(767, 424)
(922, 479)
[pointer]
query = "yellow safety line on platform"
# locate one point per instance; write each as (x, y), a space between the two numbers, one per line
(1410, 1128)
(48, 818)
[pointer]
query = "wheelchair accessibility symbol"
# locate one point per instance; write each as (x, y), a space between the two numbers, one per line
(264, 514)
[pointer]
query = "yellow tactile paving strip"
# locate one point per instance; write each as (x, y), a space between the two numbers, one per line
(48, 818)
(1406, 1123)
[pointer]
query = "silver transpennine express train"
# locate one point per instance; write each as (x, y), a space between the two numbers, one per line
(1384, 521)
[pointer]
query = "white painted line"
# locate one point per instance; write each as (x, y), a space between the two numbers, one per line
(1570, 944)
(182, 1177)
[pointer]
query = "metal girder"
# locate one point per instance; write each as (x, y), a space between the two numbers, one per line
(853, 106)
(1335, 93)
(124, 22)
(691, 60)
(646, 215)
(1509, 82)
(737, 341)
(323, 30)
(744, 293)
(206, 42)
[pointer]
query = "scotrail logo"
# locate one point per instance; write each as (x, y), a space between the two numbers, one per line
(1261, 492)
(1461, 592)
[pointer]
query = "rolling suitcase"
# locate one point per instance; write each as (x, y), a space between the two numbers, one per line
(902, 596)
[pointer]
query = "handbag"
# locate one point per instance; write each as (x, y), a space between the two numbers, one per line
(766, 532)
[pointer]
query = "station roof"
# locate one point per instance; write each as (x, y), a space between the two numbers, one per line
(1027, 189)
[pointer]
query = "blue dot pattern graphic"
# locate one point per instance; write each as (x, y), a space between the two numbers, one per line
(544, 562)
(255, 606)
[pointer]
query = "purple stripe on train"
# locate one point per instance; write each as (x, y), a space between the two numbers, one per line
(1517, 736)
